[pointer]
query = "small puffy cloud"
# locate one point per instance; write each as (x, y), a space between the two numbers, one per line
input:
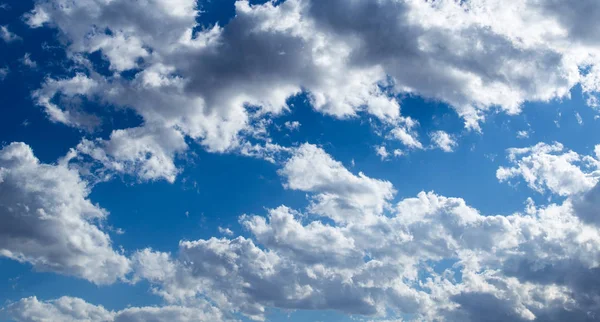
(523, 134)
(292, 126)
(27, 61)
(311, 169)
(443, 141)
(49, 222)
(549, 167)
(145, 152)
(7, 35)
(225, 231)
(382, 152)
(407, 136)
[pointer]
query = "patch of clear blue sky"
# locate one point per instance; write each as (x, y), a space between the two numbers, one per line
(215, 189)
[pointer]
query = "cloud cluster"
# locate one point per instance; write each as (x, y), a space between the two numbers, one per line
(431, 256)
(349, 58)
(355, 251)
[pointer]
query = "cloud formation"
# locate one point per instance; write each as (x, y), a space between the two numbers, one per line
(210, 84)
(49, 222)
(77, 310)
(548, 167)
(354, 248)
(533, 265)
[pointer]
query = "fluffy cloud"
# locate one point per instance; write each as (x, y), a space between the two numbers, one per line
(49, 222)
(550, 167)
(443, 141)
(146, 153)
(407, 136)
(210, 84)
(202, 85)
(77, 310)
(535, 265)
(353, 250)
(311, 169)
(77, 86)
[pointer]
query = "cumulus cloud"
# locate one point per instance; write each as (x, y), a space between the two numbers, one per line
(382, 152)
(292, 126)
(77, 310)
(77, 86)
(548, 167)
(311, 169)
(49, 221)
(533, 265)
(352, 249)
(282, 56)
(443, 141)
(211, 83)
(146, 153)
(407, 136)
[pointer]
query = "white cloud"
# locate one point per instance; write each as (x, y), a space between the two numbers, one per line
(579, 119)
(7, 35)
(148, 153)
(311, 169)
(535, 264)
(225, 231)
(550, 167)
(312, 243)
(292, 126)
(523, 134)
(268, 151)
(79, 85)
(3, 73)
(473, 55)
(49, 222)
(77, 310)
(382, 152)
(27, 61)
(63, 309)
(443, 141)
(352, 251)
(407, 136)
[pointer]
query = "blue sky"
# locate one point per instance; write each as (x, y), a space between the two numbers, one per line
(160, 125)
